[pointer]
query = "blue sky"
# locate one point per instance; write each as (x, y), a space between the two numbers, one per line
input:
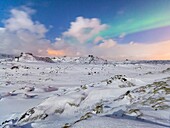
(125, 21)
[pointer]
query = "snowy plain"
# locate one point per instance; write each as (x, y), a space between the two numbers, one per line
(84, 92)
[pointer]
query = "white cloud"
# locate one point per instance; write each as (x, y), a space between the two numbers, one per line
(22, 34)
(107, 44)
(83, 29)
(75, 40)
(122, 35)
(21, 20)
(58, 39)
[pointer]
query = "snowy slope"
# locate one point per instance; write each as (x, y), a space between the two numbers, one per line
(83, 95)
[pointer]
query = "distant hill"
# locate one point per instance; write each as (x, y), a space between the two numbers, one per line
(6, 56)
(90, 59)
(29, 57)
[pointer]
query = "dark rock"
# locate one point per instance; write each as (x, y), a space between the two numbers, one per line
(15, 67)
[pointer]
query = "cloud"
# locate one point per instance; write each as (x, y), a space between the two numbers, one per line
(107, 44)
(21, 20)
(122, 35)
(83, 29)
(77, 39)
(21, 34)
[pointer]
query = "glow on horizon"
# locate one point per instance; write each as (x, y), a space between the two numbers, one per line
(52, 52)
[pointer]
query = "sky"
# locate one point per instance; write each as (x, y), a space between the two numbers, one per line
(113, 29)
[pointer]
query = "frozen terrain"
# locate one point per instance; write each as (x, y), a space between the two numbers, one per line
(83, 92)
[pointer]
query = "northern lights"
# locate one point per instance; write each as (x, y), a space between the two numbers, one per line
(138, 21)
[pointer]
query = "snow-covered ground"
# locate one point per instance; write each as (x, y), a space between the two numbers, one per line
(84, 92)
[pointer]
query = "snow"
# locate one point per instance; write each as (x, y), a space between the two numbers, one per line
(83, 92)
